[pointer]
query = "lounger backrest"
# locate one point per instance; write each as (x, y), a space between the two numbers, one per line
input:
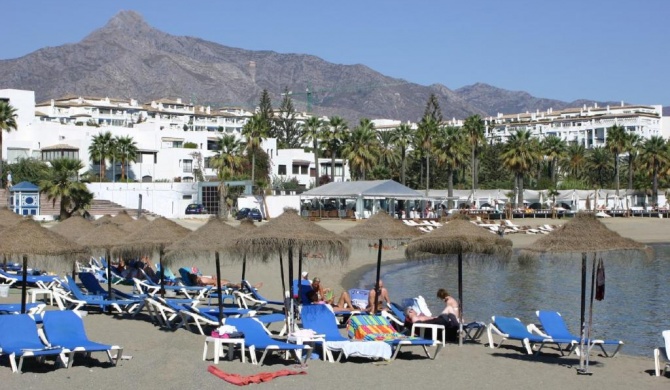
(19, 330)
(187, 277)
(359, 297)
(64, 328)
(511, 326)
(397, 311)
(553, 324)
(321, 320)
(91, 283)
(254, 333)
(666, 338)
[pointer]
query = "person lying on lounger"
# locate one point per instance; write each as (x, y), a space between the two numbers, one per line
(449, 322)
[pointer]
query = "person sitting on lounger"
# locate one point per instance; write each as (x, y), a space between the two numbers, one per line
(451, 304)
(383, 298)
(314, 299)
(326, 295)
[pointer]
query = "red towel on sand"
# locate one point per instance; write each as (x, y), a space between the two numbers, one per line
(240, 380)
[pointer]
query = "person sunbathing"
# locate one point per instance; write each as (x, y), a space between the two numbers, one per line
(383, 298)
(201, 280)
(326, 295)
(449, 322)
(314, 300)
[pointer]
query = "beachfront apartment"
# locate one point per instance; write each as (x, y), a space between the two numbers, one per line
(174, 138)
(585, 125)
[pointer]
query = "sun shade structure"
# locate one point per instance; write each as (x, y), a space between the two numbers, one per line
(104, 237)
(27, 237)
(154, 236)
(246, 227)
(584, 234)
(122, 218)
(287, 233)
(459, 237)
(104, 219)
(366, 188)
(380, 227)
(213, 237)
(8, 218)
(136, 224)
(73, 228)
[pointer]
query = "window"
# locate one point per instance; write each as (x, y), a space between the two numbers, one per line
(296, 169)
(187, 166)
(304, 169)
(282, 169)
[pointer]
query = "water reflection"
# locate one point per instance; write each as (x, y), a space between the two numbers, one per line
(636, 308)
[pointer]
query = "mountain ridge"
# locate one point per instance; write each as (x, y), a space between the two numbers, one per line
(128, 58)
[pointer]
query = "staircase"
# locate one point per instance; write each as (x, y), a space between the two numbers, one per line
(98, 207)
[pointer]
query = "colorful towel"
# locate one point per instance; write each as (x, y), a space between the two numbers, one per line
(240, 380)
(372, 328)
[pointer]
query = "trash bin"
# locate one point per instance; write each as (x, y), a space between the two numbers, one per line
(4, 290)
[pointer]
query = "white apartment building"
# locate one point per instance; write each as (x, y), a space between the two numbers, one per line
(173, 137)
(585, 125)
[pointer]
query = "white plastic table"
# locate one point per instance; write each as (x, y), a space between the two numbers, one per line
(218, 348)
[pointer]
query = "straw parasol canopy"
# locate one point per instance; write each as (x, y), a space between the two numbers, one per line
(122, 218)
(73, 228)
(104, 236)
(214, 236)
(381, 226)
(459, 236)
(104, 219)
(584, 233)
(154, 236)
(136, 224)
(289, 232)
(8, 218)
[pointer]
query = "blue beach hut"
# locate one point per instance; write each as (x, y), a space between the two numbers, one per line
(24, 199)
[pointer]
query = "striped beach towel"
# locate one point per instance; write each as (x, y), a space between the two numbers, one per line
(373, 328)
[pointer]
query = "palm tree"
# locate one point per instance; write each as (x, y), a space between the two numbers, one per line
(8, 117)
(402, 138)
(655, 154)
(451, 152)
(521, 152)
(63, 185)
(474, 128)
(332, 136)
(616, 143)
(389, 156)
(633, 147)
(255, 131)
(575, 160)
(599, 165)
(227, 162)
(555, 149)
(100, 150)
(425, 133)
(361, 148)
(126, 151)
(311, 131)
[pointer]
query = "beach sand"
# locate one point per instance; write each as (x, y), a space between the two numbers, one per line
(173, 359)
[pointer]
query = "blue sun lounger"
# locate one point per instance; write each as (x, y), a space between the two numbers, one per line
(554, 326)
(19, 339)
(256, 338)
(66, 328)
(378, 328)
(512, 329)
(132, 306)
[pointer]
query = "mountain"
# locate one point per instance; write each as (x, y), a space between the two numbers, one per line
(127, 58)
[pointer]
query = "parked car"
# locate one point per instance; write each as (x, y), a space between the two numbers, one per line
(246, 212)
(196, 208)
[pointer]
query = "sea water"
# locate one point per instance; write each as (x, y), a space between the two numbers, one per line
(636, 308)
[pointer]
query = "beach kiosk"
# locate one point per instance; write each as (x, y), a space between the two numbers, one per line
(24, 199)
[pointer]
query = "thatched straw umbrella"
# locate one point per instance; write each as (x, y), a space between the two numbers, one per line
(122, 218)
(458, 237)
(155, 236)
(28, 237)
(214, 236)
(381, 227)
(136, 224)
(104, 219)
(584, 234)
(73, 228)
(104, 237)
(285, 234)
(7, 218)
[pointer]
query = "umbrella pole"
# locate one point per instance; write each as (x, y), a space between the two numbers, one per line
(300, 275)
(160, 261)
(109, 278)
(290, 286)
(218, 284)
(281, 271)
(582, 314)
(379, 271)
(24, 286)
(244, 266)
(460, 298)
(588, 329)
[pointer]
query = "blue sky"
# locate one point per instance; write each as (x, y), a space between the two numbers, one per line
(568, 49)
